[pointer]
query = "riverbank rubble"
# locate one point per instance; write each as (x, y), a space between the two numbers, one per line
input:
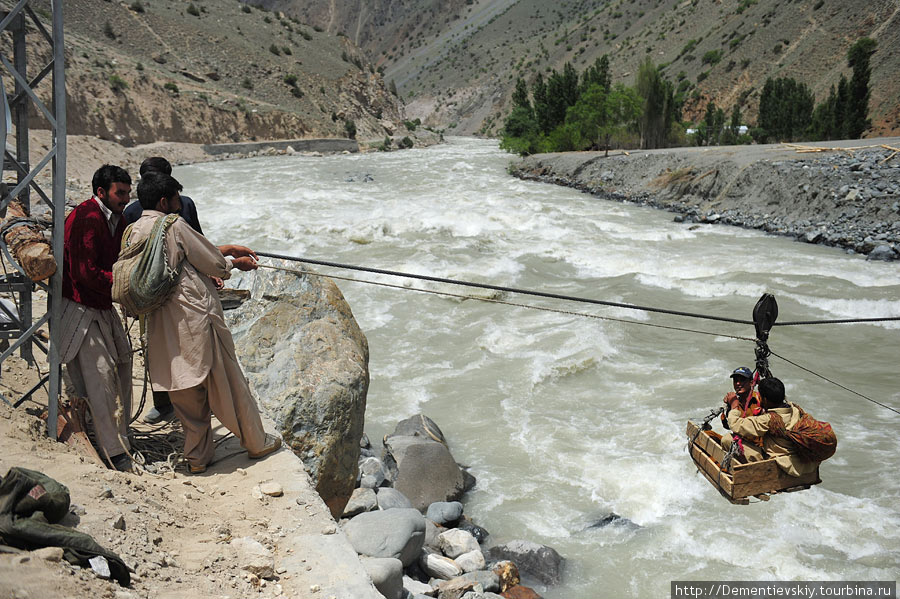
(418, 542)
(848, 200)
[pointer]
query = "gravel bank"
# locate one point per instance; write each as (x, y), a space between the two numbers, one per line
(847, 197)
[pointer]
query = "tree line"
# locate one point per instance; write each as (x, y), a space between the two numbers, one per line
(570, 112)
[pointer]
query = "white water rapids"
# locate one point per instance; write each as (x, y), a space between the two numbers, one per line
(564, 419)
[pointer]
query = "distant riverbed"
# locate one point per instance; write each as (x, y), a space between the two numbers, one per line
(847, 196)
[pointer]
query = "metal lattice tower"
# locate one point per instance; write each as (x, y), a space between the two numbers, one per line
(20, 330)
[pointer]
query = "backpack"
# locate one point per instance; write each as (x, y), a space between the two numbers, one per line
(815, 440)
(142, 278)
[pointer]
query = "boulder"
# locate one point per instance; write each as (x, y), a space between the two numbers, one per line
(307, 361)
(478, 532)
(882, 252)
(489, 581)
(362, 500)
(438, 566)
(371, 472)
(419, 425)
(414, 587)
(386, 574)
(612, 519)
(520, 592)
(398, 533)
(532, 559)
(455, 542)
(389, 498)
(423, 470)
(433, 534)
(444, 512)
(471, 561)
(457, 588)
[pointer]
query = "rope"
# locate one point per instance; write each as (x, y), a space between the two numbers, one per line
(565, 312)
(507, 303)
(558, 296)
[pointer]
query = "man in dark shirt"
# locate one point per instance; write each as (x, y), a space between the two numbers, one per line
(93, 343)
(162, 405)
(188, 208)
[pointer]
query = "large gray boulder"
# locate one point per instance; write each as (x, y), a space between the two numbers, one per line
(532, 559)
(398, 533)
(424, 470)
(307, 361)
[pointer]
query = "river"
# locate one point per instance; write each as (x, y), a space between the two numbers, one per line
(565, 418)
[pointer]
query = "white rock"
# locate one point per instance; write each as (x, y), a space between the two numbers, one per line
(254, 557)
(272, 489)
(455, 542)
(438, 566)
(471, 561)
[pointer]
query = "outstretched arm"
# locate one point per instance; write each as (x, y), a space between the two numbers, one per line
(237, 251)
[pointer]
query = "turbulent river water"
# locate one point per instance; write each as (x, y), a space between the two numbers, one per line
(565, 418)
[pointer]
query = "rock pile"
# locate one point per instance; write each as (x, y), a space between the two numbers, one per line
(438, 554)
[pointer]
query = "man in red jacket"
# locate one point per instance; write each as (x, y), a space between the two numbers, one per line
(94, 346)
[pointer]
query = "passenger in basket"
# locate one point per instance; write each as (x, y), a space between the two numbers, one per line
(190, 349)
(784, 450)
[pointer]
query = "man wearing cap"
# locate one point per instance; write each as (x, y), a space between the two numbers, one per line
(745, 400)
(749, 401)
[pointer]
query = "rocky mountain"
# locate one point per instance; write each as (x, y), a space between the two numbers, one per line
(207, 71)
(456, 62)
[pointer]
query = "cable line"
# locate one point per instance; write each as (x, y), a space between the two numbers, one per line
(544, 309)
(558, 296)
(896, 411)
(506, 303)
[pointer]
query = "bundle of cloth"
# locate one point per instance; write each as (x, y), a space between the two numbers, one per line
(31, 505)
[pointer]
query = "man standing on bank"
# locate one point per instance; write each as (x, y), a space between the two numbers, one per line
(93, 343)
(190, 349)
(162, 405)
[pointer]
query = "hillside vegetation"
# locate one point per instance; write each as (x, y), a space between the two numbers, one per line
(205, 71)
(456, 63)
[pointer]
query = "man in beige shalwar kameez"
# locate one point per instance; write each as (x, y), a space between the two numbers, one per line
(190, 349)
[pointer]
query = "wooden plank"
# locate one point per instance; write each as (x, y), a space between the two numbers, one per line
(708, 444)
(722, 480)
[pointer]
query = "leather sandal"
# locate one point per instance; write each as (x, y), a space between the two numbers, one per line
(197, 469)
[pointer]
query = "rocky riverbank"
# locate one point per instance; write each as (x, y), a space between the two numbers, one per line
(406, 523)
(847, 196)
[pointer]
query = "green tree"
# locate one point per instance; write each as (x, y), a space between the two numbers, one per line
(541, 106)
(520, 95)
(653, 90)
(599, 113)
(785, 109)
(857, 120)
(520, 132)
(598, 74)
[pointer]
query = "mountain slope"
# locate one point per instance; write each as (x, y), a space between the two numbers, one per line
(210, 71)
(456, 62)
